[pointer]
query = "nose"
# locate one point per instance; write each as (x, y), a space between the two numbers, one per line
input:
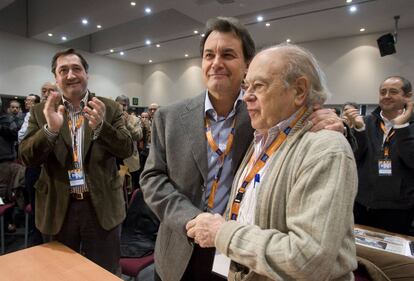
(70, 74)
(248, 96)
(217, 61)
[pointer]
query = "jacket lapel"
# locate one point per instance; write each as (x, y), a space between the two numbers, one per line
(192, 121)
(88, 133)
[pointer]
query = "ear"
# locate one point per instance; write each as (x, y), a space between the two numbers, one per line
(301, 87)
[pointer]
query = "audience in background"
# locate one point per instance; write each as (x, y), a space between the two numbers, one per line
(16, 113)
(30, 101)
(185, 174)
(293, 188)
(76, 138)
(385, 159)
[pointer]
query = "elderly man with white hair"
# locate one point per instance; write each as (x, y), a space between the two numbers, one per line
(289, 215)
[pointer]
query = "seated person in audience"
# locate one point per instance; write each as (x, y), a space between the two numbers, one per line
(385, 159)
(290, 210)
(76, 137)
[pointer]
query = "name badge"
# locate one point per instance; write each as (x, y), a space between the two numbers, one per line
(76, 177)
(221, 264)
(384, 167)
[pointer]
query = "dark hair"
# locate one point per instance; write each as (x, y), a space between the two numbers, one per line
(65, 53)
(406, 87)
(353, 104)
(227, 24)
(14, 100)
(37, 98)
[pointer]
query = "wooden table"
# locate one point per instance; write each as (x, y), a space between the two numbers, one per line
(51, 262)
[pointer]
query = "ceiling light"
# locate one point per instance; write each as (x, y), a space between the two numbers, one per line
(148, 42)
(267, 24)
(150, 61)
(202, 35)
(353, 9)
(195, 31)
(50, 34)
(259, 18)
(84, 21)
(158, 45)
(148, 10)
(111, 50)
(133, 3)
(288, 40)
(121, 53)
(99, 26)
(186, 55)
(64, 38)
(362, 29)
(348, 1)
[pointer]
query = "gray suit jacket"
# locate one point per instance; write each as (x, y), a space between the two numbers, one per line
(175, 175)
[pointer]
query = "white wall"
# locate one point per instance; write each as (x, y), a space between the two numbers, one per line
(353, 67)
(25, 66)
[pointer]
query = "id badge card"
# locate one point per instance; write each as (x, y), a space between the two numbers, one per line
(384, 167)
(221, 264)
(76, 177)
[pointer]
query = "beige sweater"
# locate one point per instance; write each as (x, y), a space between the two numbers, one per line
(304, 220)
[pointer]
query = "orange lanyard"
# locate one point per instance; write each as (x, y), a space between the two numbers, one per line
(74, 132)
(222, 156)
(260, 163)
(387, 140)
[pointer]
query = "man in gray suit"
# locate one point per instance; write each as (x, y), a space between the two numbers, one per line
(196, 147)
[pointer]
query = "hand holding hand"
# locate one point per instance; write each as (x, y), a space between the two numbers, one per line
(204, 228)
(95, 112)
(325, 118)
(54, 118)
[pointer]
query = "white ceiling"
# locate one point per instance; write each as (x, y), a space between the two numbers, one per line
(172, 22)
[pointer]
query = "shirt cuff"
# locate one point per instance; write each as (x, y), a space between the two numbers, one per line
(51, 136)
(97, 131)
(401, 126)
(360, 129)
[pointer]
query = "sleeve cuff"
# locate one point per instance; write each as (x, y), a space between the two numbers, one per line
(97, 131)
(401, 126)
(360, 129)
(50, 135)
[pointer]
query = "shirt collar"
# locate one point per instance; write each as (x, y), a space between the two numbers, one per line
(68, 105)
(211, 112)
(267, 138)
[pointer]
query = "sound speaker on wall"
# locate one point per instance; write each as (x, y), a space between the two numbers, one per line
(386, 44)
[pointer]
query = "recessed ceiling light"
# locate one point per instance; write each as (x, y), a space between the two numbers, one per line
(133, 3)
(202, 35)
(50, 34)
(150, 61)
(148, 10)
(348, 1)
(267, 24)
(353, 9)
(362, 29)
(121, 53)
(99, 26)
(259, 18)
(148, 42)
(195, 31)
(84, 21)
(186, 55)
(158, 45)
(111, 50)
(288, 40)
(64, 38)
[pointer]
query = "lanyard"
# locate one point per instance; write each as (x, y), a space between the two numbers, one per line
(74, 132)
(387, 140)
(260, 163)
(222, 156)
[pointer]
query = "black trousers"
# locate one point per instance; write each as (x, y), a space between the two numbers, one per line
(394, 220)
(82, 233)
(199, 267)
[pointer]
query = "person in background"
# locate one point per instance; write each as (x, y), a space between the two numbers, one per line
(293, 187)
(46, 89)
(152, 108)
(29, 102)
(134, 127)
(16, 113)
(76, 137)
(385, 159)
(196, 147)
(345, 107)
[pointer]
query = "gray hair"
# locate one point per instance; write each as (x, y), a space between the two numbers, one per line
(123, 98)
(300, 62)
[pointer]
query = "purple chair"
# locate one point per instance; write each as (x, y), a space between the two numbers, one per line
(3, 209)
(132, 266)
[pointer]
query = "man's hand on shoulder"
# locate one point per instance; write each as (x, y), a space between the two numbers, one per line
(325, 118)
